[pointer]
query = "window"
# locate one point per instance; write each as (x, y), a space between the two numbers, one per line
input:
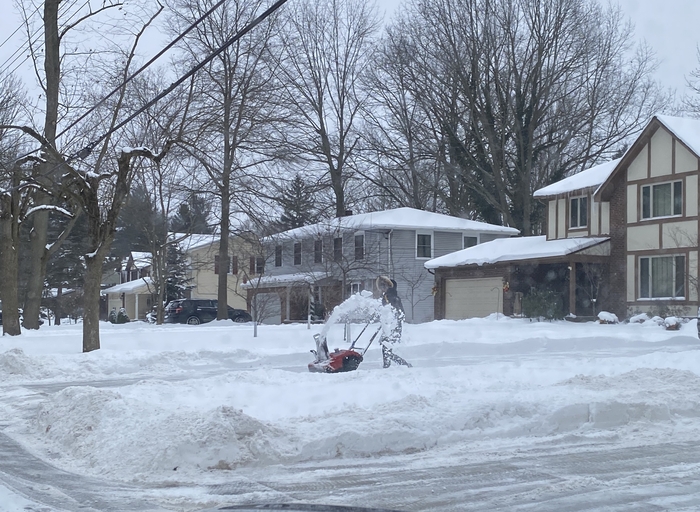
(318, 251)
(662, 200)
(278, 256)
(359, 247)
(257, 265)
(424, 246)
(337, 249)
(470, 241)
(297, 253)
(578, 212)
(662, 277)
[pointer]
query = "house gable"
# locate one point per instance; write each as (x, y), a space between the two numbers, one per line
(655, 188)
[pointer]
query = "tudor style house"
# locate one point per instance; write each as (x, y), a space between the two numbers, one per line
(309, 270)
(621, 237)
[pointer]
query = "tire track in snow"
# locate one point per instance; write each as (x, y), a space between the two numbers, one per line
(41, 482)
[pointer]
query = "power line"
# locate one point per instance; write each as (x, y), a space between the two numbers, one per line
(34, 38)
(85, 151)
(20, 27)
(144, 67)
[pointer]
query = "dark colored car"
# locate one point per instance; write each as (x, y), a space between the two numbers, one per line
(199, 311)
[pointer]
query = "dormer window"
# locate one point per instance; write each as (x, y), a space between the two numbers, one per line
(662, 200)
(578, 212)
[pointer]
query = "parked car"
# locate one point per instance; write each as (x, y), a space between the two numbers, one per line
(199, 311)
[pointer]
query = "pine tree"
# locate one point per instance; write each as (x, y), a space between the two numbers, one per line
(192, 216)
(177, 280)
(297, 202)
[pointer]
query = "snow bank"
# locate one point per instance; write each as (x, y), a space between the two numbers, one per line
(104, 431)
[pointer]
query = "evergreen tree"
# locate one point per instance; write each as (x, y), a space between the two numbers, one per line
(192, 216)
(66, 268)
(297, 202)
(139, 225)
(177, 280)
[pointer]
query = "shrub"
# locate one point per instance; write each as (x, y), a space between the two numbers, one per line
(543, 304)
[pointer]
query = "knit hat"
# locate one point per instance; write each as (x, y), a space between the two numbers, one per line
(384, 281)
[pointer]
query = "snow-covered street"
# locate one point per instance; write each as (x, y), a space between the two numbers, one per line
(496, 414)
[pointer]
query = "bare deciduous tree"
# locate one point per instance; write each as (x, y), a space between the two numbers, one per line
(229, 124)
(522, 93)
(326, 48)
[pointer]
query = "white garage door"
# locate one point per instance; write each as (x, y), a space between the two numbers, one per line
(469, 298)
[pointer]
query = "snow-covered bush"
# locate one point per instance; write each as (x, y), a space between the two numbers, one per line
(639, 319)
(672, 323)
(605, 317)
(122, 317)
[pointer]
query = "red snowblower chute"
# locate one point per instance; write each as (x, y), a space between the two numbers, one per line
(338, 361)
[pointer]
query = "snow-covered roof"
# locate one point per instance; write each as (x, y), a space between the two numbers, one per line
(141, 259)
(591, 177)
(399, 218)
(685, 129)
(513, 249)
(283, 280)
(144, 285)
(195, 241)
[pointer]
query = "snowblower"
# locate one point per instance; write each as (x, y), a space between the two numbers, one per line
(338, 361)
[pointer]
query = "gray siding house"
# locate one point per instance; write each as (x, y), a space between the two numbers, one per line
(309, 270)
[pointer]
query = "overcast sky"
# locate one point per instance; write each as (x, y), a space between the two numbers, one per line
(669, 26)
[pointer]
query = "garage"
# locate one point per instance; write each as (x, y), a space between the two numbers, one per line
(469, 298)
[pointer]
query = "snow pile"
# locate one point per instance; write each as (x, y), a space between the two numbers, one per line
(16, 365)
(639, 319)
(118, 436)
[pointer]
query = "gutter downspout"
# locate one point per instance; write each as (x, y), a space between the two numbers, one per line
(390, 260)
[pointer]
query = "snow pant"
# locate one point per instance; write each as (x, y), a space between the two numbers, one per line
(388, 356)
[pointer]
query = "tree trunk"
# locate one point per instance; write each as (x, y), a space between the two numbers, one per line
(39, 254)
(91, 301)
(57, 310)
(222, 295)
(37, 264)
(9, 263)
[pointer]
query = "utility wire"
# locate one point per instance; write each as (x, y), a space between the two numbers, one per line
(33, 38)
(144, 67)
(21, 26)
(84, 152)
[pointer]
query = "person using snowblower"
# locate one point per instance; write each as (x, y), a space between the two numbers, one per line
(387, 287)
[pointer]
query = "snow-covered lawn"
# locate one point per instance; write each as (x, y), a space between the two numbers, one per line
(177, 407)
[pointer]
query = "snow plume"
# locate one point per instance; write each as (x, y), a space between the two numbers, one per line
(361, 308)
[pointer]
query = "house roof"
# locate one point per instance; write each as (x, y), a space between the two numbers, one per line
(400, 218)
(591, 177)
(194, 241)
(684, 129)
(283, 280)
(137, 286)
(513, 249)
(141, 259)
